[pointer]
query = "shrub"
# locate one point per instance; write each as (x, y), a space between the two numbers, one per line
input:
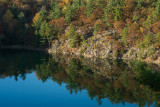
(115, 53)
(150, 51)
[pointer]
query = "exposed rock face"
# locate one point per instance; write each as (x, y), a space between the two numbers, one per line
(98, 46)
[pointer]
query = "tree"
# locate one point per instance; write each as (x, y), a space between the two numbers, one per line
(96, 28)
(69, 14)
(106, 17)
(135, 17)
(89, 8)
(72, 37)
(8, 16)
(55, 13)
(117, 12)
(76, 5)
(46, 33)
(123, 35)
(39, 18)
(156, 13)
(148, 23)
(139, 4)
(21, 19)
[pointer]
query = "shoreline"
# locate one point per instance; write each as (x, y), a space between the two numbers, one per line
(23, 47)
(50, 51)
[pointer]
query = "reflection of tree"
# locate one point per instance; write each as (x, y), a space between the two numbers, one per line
(113, 80)
(18, 63)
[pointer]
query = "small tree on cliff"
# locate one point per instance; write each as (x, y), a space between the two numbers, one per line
(72, 37)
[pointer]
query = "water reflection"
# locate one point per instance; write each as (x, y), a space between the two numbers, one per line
(120, 82)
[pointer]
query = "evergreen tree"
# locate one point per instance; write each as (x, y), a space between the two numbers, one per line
(123, 35)
(89, 8)
(72, 37)
(148, 23)
(76, 5)
(106, 16)
(135, 17)
(139, 4)
(69, 14)
(55, 13)
(156, 13)
(96, 28)
(45, 33)
(117, 12)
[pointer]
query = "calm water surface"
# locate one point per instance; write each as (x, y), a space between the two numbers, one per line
(36, 79)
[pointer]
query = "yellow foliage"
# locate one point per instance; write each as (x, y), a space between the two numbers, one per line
(64, 8)
(66, 1)
(37, 16)
(141, 29)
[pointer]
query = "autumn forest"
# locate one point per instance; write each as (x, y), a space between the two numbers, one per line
(125, 25)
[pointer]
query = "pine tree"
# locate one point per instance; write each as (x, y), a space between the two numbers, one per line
(148, 23)
(76, 5)
(55, 13)
(68, 14)
(123, 35)
(96, 28)
(72, 37)
(89, 8)
(156, 13)
(46, 33)
(135, 17)
(139, 4)
(106, 17)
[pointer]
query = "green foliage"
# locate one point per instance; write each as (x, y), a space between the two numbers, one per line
(158, 38)
(55, 12)
(96, 28)
(43, 16)
(150, 51)
(156, 13)
(123, 35)
(89, 8)
(46, 33)
(115, 53)
(139, 3)
(21, 18)
(117, 12)
(106, 17)
(72, 37)
(135, 17)
(148, 40)
(69, 14)
(148, 23)
(76, 4)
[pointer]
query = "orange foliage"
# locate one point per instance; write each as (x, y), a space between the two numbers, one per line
(80, 17)
(119, 25)
(134, 34)
(101, 25)
(156, 27)
(97, 13)
(59, 23)
(128, 8)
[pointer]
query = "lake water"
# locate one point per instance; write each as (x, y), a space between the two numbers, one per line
(36, 79)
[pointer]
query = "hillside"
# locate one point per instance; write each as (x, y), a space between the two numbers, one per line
(92, 28)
